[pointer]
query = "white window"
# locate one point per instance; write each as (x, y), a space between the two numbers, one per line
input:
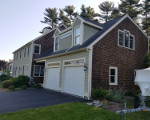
(125, 39)
(65, 35)
(38, 71)
(56, 43)
(37, 49)
(77, 35)
(113, 76)
(28, 50)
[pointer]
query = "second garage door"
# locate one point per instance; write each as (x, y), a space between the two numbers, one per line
(73, 82)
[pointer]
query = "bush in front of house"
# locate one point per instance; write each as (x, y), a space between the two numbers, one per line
(4, 77)
(7, 83)
(101, 94)
(117, 95)
(37, 85)
(147, 59)
(21, 81)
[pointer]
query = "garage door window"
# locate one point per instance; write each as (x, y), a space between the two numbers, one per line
(74, 62)
(38, 71)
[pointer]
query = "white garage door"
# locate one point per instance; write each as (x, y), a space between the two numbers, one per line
(74, 80)
(52, 78)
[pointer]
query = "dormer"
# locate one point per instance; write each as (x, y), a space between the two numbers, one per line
(80, 31)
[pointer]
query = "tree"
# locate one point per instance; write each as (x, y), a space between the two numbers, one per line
(51, 17)
(115, 13)
(62, 18)
(146, 16)
(70, 13)
(130, 7)
(2, 64)
(106, 9)
(88, 12)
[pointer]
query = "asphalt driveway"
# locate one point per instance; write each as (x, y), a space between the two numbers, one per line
(32, 98)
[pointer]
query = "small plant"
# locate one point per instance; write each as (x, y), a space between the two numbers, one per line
(37, 85)
(117, 95)
(101, 94)
(7, 83)
(4, 77)
(132, 92)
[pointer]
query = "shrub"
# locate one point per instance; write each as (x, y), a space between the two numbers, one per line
(7, 83)
(132, 92)
(101, 94)
(147, 59)
(11, 87)
(4, 77)
(23, 87)
(20, 81)
(117, 95)
(37, 85)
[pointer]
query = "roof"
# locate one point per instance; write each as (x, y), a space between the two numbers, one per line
(105, 26)
(60, 27)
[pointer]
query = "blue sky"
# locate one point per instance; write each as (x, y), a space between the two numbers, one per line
(20, 20)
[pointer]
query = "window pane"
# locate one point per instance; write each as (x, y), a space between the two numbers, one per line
(126, 39)
(112, 79)
(77, 31)
(131, 42)
(42, 71)
(36, 70)
(36, 49)
(77, 40)
(121, 38)
(112, 71)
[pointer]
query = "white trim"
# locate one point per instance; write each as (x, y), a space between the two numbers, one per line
(91, 24)
(59, 62)
(90, 72)
(39, 48)
(116, 75)
(74, 60)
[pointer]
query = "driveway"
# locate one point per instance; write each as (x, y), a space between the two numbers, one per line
(32, 98)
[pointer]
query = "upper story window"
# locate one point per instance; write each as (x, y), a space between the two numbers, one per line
(37, 49)
(56, 43)
(20, 55)
(125, 39)
(25, 52)
(28, 50)
(65, 35)
(113, 76)
(77, 35)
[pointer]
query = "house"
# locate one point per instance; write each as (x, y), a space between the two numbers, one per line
(23, 61)
(89, 55)
(10, 66)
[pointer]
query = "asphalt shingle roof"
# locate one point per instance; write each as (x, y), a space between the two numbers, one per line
(105, 26)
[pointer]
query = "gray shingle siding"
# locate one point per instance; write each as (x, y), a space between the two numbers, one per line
(65, 43)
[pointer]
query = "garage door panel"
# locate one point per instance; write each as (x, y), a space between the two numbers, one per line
(52, 78)
(74, 80)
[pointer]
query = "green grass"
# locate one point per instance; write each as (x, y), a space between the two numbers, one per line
(70, 111)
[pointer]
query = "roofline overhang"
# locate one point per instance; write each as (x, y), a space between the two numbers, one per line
(61, 54)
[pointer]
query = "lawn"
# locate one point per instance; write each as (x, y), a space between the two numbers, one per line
(70, 111)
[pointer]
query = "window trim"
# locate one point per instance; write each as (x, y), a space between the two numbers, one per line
(55, 43)
(116, 75)
(124, 39)
(39, 48)
(39, 72)
(25, 52)
(78, 35)
(66, 34)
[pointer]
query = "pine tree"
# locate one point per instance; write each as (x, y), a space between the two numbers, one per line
(146, 16)
(88, 12)
(70, 13)
(62, 18)
(106, 9)
(115, 13)
(130, 7)
(51, 17)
